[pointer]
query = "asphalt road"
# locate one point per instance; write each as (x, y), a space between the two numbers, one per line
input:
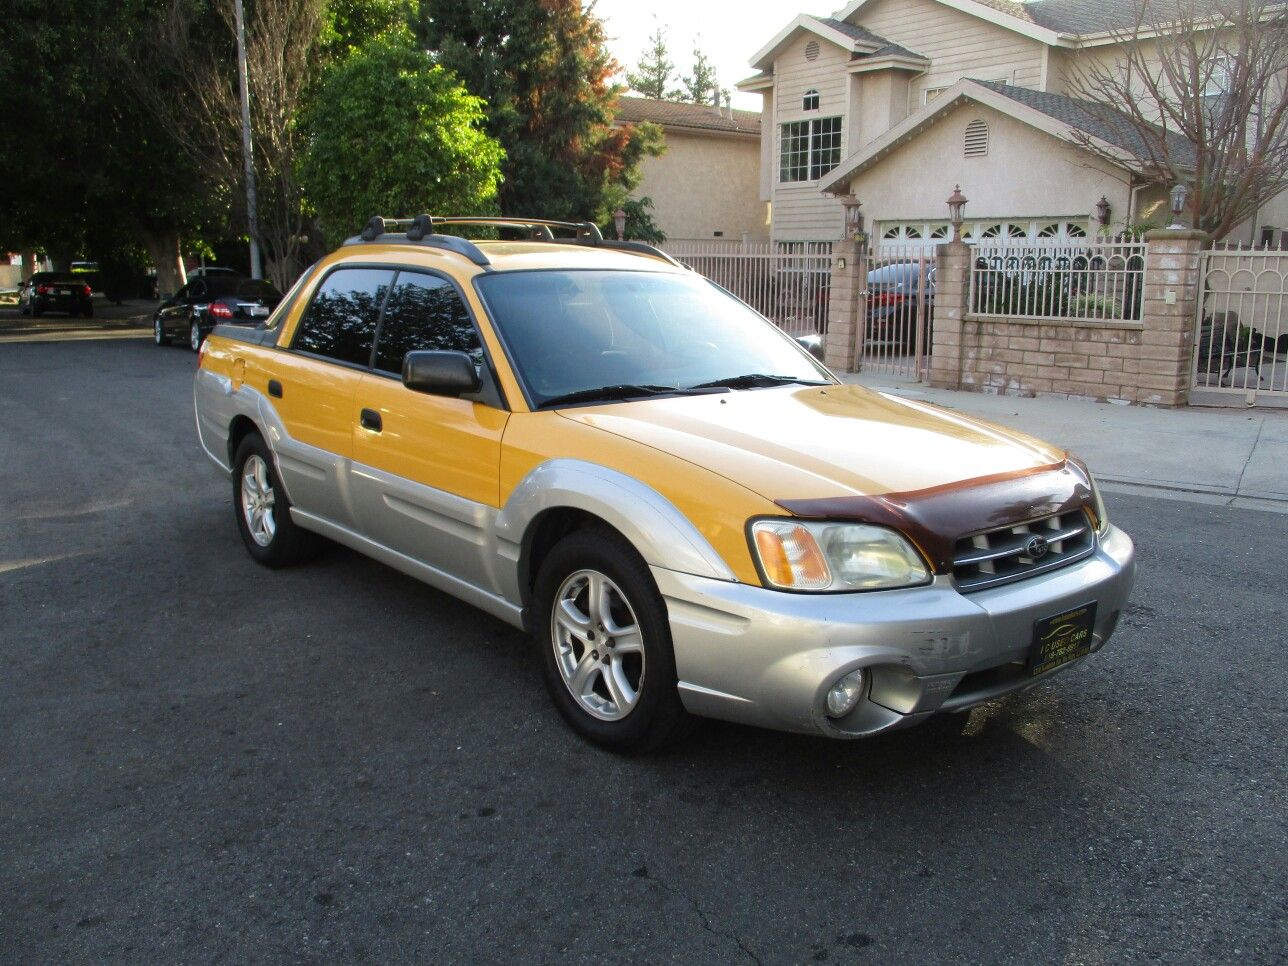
(202, 760)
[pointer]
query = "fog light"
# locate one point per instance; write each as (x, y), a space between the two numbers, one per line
(845, 694)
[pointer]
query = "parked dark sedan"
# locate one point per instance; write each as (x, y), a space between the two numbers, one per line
(55, 292)
(214, 300)
(894, 291)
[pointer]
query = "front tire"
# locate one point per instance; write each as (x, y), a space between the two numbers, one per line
(601, 630)
(263, 511)
(159, 335)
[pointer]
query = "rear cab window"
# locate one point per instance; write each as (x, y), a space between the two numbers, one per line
(340, 321)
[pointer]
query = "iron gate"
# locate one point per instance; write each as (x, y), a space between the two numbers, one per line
(897, 327)
(1241, 334)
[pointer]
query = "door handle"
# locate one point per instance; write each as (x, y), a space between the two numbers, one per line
(370, 419)
(275, 388)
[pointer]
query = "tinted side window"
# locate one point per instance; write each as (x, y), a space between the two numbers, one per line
(424, 312)
(340, 322)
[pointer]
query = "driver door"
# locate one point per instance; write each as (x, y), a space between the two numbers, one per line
(426, 469)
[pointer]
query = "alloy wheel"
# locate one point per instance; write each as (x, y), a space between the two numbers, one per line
(257, 500)
(598, 645)
(194, 337)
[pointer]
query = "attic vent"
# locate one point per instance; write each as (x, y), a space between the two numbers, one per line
(976, 138)
(811, 50)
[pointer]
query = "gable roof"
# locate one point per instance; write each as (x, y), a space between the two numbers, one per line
(849, 37)
(882, 47)
(1099, 120)
(1082, 17)
(682, 115)
(1054, 114)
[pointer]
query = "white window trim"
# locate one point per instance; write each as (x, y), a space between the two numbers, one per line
(810, 121)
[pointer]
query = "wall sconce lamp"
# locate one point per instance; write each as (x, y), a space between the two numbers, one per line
(1180, 196)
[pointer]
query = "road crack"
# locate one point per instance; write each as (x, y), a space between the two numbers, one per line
(705, 920)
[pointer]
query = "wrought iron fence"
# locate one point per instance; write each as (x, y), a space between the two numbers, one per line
(898, 324)
(1241, 342)
(1086, 281)
(787, 282)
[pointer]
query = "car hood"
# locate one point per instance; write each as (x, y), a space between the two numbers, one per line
(821, 441)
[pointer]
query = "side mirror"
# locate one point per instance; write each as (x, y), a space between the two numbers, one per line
(440, 373)
(813, 344)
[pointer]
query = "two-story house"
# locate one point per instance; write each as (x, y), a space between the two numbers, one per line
(896, 101)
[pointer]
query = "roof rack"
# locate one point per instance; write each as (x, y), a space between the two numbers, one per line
(423, 230)
(418, 230)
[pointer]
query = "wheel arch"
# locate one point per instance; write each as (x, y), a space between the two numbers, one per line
(562, 496)
(240, 427)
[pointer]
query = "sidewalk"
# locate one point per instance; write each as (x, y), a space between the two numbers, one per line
(130, 320)
(1237, 457)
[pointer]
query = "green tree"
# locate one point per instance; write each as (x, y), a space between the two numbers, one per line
(544, 70)
(348, 24)
(640, 225)
(652, 74)
(392, 133)
(701, 85)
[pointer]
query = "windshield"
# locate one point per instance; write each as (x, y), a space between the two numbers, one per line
(572, 333)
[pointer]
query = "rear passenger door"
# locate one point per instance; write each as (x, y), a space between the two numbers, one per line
(312, 388)
(426, 468)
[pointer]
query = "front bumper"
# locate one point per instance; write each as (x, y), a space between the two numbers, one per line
(764, 657)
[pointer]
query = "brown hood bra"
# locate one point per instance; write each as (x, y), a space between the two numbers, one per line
(937, 517)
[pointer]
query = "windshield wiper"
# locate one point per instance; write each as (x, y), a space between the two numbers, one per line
(752, 380)
(625, 391)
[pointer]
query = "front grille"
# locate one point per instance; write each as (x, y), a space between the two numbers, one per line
(1023, 550)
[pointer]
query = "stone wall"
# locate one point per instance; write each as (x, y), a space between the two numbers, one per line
(1118, 361)
(1022, 357)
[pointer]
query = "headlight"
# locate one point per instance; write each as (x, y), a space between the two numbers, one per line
(1098, 507)
(795, 555)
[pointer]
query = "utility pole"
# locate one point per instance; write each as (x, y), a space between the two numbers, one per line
(252, 213)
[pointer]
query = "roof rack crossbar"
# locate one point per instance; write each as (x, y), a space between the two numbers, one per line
(419, 230)
(539, 227)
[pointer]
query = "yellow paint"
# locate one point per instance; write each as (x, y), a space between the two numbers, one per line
(449, 444)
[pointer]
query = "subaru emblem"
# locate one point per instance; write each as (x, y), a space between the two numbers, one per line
(1036, 547)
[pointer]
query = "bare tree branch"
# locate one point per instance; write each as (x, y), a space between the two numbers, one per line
(187, 81)
(1201, 84)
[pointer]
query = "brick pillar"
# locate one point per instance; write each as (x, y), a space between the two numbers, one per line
(1168, 310)
(846, 305)
(952, 292)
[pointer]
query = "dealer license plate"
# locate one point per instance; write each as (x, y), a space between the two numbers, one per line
(1062, 638)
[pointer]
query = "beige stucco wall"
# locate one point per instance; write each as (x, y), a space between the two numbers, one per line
(1026, 173)
(706, 183)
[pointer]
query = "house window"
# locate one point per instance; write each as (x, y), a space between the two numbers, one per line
(810, 101)
(1219, 78)
(976, 138)
(809, 149)
(811, 50)
(940, 231)
(1268, 237)
(931, 93)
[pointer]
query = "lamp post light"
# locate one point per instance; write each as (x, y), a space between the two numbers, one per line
(1180, 196)
(956, 202)
(1103, 211)
(853, 209)
(619, 222)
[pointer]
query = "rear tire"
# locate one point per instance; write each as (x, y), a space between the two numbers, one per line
(194, 336)
(602, 633)
(263, 511)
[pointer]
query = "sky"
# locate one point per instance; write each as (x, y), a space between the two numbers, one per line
(728, 31)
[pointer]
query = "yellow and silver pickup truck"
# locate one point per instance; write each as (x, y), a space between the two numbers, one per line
(687, 512)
